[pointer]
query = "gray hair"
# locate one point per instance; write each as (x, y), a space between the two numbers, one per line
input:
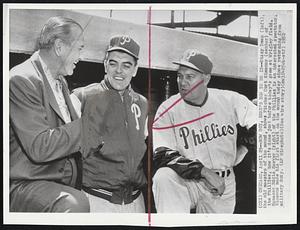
(57, 27)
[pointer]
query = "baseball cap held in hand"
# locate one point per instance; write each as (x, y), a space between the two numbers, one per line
(195, 60)
(124, 43)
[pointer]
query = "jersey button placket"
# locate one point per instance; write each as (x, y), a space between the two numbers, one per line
(206, 145)
(127, 111)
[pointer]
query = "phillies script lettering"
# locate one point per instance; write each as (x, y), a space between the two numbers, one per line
(209, 133)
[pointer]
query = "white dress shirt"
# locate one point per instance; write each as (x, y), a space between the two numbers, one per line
(56, 86)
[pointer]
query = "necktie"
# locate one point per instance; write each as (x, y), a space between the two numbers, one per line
(72, 165)
(61, 100)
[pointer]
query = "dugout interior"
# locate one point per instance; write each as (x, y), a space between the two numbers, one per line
(164, 84)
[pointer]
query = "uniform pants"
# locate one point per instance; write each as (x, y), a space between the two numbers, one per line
(47, 196)
(98, 204)
(173, 194)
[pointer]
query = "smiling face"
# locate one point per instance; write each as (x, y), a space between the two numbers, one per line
(120, 67)
(187, 78)
(69, 53)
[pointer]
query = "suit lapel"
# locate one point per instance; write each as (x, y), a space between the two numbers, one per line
(52, 101)
(74, 116)
(66, 94)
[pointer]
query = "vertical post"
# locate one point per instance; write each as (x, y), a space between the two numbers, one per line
(167, 87)
(183, 19)
(172, 18)
(110, 13)
(217, 27)
(249, 32)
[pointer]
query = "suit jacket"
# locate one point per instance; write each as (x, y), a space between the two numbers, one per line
(40, 141)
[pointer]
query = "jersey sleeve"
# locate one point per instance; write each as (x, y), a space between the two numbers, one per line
(76, 103)
(245, 111)
(82, 93)
(186, 168)
(93, 123)
(163, 135)
(144, 106)
(146, 128)
(79, 93)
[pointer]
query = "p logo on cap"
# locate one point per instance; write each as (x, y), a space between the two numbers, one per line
(124, 39)
(195, 60)
(189, 54)
(124, 43)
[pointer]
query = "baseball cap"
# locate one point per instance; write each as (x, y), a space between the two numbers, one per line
(195, 60)
(124, 43)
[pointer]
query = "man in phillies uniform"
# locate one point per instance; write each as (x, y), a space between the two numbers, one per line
(195, 142)
(113, 176)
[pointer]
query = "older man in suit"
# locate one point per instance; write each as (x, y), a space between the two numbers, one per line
(45, 131)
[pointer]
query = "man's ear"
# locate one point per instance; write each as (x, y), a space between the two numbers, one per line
(58, 46)
(135, 70)
(105, 66)
(207, 79)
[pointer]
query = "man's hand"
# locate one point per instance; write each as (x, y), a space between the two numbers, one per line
(213, 182)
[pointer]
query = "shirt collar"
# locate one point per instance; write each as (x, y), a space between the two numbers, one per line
(47, 72)
(204, 101)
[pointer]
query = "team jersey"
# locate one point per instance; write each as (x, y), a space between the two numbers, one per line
(207, 132)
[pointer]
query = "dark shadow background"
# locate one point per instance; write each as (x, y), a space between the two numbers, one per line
(88, 72)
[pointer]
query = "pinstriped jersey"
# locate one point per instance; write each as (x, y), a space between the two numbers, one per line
(208, 132)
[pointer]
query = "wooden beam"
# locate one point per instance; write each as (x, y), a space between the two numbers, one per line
(230, 58)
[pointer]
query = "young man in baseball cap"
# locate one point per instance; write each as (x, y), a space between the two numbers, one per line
(113, 175)
(194, 142)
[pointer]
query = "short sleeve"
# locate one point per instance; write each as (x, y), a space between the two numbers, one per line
(163, 134)
(76, 103)
(245, 111)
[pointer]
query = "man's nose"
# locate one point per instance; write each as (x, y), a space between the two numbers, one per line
(119, 69)
(183, 81)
